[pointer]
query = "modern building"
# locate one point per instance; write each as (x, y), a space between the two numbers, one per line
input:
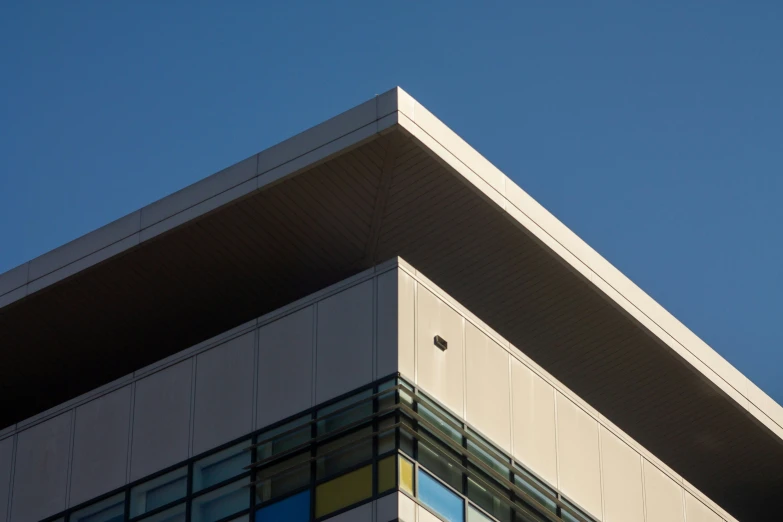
(366, 322)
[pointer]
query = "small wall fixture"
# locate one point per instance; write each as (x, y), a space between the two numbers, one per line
(441, 343)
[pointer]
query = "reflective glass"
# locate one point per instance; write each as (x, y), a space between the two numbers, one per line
(386, 435)
(343, 491)
(111, 509)
(490, 500)
(335, 421)
(175, 514)
(406, 439)
(342, 453)
(387, 474)
(442, 463)
(569, 517)
(525, 481)
(474, 515)
(291, 509)
(221, 502)
(406, 475)
(283, 477)
(158, 492)
(427, 409)
(439, 498)
(221, 466)
(491, 460)
(284, 438)
(386, 401)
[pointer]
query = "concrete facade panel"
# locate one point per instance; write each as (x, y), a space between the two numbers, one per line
(424, 515)
(696, 511)
(224, 393)
(578, 456)
(161, 420)
(407, 509)
(387, 337)
(285, 367)
(487, 387)
(362, 513)
(622, 471)
(440, 372)
(387, 508)
(100, 446)
(663, 496)
(6, 468)
(406, 323)
(41, 470)
(533, 421)
(344, 347)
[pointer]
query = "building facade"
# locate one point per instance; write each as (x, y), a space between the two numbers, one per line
(367, 322)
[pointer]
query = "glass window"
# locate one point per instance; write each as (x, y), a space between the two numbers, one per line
(571, 518)
(221, 502)
(284, 438)
(387, 474)
(111, 509)
(158, 492)
(525, 482)
(386, 435)
(406, 439)
(386, 401)
(175, 514)
(343, 491)
(335, 421)
(474, 515)
(490, 500)
(283, 478)
(291, 509)
(439, 498)
(427, 410)
(220, 466)
(342, 453)
(406, 476)
(492, 460)
(442, 463)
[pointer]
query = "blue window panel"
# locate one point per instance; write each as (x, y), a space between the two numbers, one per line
(439, 498)
(291, 509)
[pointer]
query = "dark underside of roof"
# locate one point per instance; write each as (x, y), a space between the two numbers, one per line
(389, 197)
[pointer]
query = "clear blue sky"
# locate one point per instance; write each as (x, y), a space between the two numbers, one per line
(654, 130)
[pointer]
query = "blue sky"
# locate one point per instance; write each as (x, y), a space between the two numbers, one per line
(653, 130)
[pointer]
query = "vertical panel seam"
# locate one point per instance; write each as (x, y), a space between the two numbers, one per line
(131, 417)
(72, 434)
(192, 405)
(415, 331)
(644, 488)
(557, 441)
(464, 364)
(256, 363)
(314, 355)
(510, 406)
(602, 488)
(14, 445)
(374, 370)
(684, 506)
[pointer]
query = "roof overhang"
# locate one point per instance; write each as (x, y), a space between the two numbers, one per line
(385, 179)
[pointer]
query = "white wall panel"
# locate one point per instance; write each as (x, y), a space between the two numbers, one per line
(622, 470)
(425, 516)
(440, 372)
(41, 470)
(407, 509)
(663, 496)
(224, 393)
(488, 389)
(6, 462)
(533, 405)
(388, 335)
(578, 459)
(344, 349)
(285, 367)
(100, 446)
(696, 511)
(161, 419)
